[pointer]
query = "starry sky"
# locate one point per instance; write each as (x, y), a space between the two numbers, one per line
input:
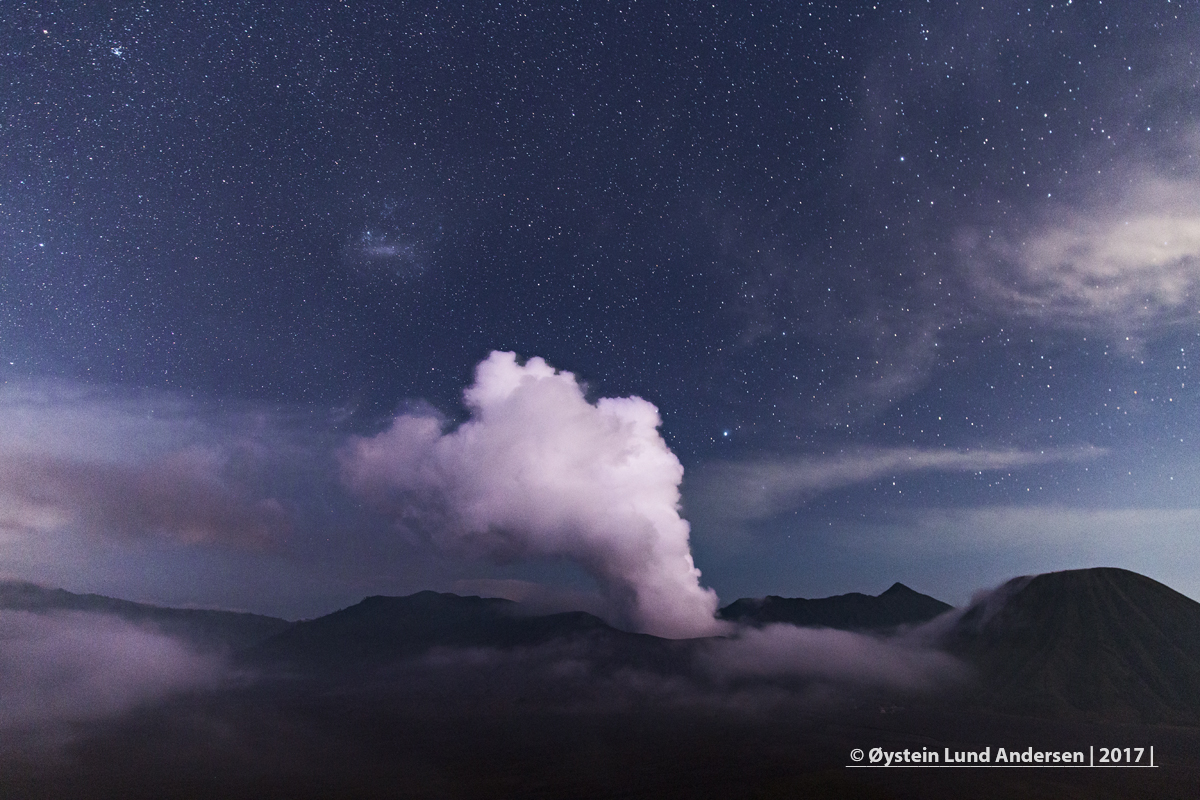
(914, 286)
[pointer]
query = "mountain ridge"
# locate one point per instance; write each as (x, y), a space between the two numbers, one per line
(898, 605)
(207, 628)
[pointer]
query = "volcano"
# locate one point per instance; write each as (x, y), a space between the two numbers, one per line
(1098, 643)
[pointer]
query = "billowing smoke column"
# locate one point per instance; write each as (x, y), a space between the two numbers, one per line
(538, 471)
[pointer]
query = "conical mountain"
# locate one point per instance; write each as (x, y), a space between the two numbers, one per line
(1095, 643)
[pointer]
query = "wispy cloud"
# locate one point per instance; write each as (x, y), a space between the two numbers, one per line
(760, 489)
(130, 466)
(184, 496)
(1043, 530)
(1125, 264)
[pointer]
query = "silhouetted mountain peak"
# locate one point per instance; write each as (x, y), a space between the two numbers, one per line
(899, 605)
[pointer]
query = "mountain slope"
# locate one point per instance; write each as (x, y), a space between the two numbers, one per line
(899, 605)
(1098, 643)
(230, 630)
(380, 630)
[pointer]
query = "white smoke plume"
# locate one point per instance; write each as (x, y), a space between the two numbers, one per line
(538, 471)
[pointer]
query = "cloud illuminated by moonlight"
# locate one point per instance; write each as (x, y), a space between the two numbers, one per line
(540, 472)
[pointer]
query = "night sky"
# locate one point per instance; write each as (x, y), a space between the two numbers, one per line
(914, 287)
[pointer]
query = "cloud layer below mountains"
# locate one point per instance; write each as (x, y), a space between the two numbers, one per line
(70, 667)
(823, 654)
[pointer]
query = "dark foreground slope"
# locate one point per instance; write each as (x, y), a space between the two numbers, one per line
(1104, 644)
(229, 630)
(899, 605)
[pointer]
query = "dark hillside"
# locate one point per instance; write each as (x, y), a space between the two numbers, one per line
(1098, 643)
